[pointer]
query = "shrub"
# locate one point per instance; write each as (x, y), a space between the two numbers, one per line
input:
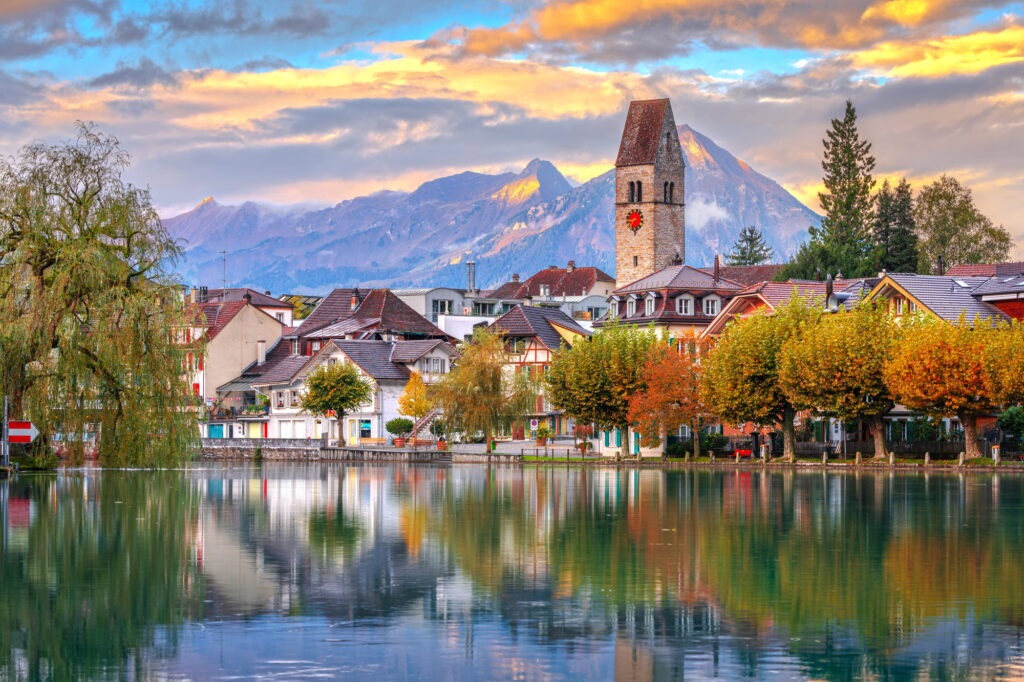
(399, 426)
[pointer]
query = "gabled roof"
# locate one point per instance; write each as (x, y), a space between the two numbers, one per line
(1001, 284)
(411, 351)
(215, 316)
(576, 281)
(946, 296)
(337, 305)
(986, 269)
(539, 323)
(746, 274)
(680, 277)
(642, 132)
(279, 366)
(374, 358)
(374, 310)
(776, 294)
(259, 300)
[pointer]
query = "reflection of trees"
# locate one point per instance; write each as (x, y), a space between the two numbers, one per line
(103, 568)
(848, 570)
(332, 532)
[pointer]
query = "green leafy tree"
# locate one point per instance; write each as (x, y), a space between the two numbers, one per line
(336, 388)
(92, 339)
(740, 376)
(399, 426)
(836, 365)
(750, 248)
(594, 381)
(1012, 421)
(951, 226)
(894, 228)
(843, 243)
(483, 393)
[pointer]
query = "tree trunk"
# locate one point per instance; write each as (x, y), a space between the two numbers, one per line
(970, 424)
(695, 435)
(487, 442)
(663, 434)
(877, 427)
(788, 435)
(341, 430)
(624, 446)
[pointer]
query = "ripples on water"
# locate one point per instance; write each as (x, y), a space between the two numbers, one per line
(319, 571)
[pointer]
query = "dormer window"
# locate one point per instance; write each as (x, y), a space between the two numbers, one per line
(684, 305)
(649, 306)
(295, 346)
(630, 308)
(545, 290)
(711, 306)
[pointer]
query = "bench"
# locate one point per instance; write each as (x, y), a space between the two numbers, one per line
(373, 441)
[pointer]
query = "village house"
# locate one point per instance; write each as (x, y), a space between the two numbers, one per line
(274, 307)
(387, 365)
(235, 334)
(531, 335)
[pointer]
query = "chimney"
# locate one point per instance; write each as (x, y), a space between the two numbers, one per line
(204, 295)
(354, 303)
(528, 300)
(515, 276)
(470, 276)
(571, 266)
(552, 267)
(678, 260)
(718, 265)
(193, 295)
(266, 292)
(261, 352)
(941, 266)
(247, 297)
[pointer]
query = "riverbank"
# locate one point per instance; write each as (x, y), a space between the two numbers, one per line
(979, 464)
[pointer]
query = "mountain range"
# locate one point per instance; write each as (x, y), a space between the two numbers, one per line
(507, 222)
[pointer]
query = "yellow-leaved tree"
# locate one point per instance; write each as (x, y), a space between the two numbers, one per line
(835, 367)
(414, 401)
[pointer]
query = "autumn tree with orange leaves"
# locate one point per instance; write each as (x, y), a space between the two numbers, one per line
(672, 394)
(945, 369)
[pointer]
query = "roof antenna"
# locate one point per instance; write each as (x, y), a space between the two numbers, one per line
(224, 260)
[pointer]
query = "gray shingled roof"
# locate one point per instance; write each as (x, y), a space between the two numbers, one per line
(534, 321)
(411, 351)
(374, 358)
(1001, 284)
(680, 277)
(948, 297)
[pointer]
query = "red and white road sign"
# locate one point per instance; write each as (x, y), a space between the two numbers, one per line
(21, 432)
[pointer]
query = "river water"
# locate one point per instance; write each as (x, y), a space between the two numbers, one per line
(314, 571)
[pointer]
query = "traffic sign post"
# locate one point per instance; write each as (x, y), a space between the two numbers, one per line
(21, 432)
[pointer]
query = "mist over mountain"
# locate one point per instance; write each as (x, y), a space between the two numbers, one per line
(509, 222)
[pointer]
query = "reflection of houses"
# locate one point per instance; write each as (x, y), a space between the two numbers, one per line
(387, 365)
(532, 334)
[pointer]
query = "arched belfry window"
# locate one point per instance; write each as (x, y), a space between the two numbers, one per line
(639, 191)
(665, 193)
(671, 191)
(632, 191)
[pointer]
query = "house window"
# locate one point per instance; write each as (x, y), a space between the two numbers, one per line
(364, 428)
(279, 398)
(545, 290)
(295, 346)
(630, 308)
(294, 398)
(684, 305)
(710, 307)
(315, 346)
(280, 317)
(649, 306)
(437, 365)
(899, 306)
(441, 306)
(911, 307)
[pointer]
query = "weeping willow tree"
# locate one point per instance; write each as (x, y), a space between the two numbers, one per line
(92, 326)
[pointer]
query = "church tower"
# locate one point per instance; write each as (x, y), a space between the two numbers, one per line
(649, 226)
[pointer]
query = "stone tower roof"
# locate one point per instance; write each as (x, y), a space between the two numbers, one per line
(640, 137)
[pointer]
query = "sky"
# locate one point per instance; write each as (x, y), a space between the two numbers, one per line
(317, 102)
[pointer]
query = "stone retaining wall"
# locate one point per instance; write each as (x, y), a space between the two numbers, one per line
(481, 458)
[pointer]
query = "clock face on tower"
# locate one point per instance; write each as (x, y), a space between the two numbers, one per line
(634, 220)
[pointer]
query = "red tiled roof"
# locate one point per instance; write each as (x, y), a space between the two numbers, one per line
(642, 132)
(215, 316)
(746, 274)
(337, 305)
(972, 270)
(560, 282)
(777, 293)
(376, 309)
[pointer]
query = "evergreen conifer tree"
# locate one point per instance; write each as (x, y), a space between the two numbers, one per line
(843, 243)
(750, 248)
(894, 228)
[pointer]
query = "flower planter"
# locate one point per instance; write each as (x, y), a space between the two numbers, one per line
(399, 442)
(542, 441)
(442, 446)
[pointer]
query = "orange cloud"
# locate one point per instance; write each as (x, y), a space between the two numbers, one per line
(959, 54)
